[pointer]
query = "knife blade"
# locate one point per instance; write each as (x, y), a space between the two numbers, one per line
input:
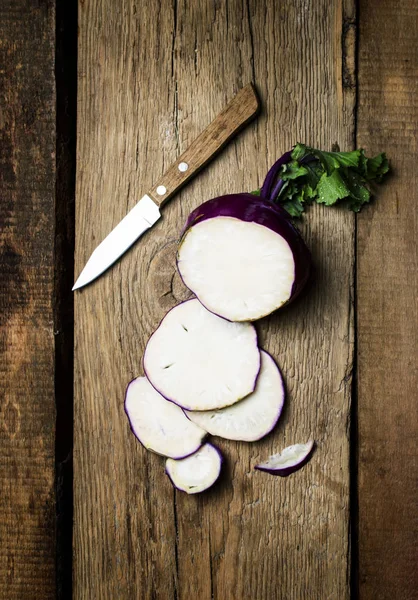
(143, 216)
(243, 107)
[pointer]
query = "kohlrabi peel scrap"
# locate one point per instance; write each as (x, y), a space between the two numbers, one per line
(201, 361)
(253, 417)
(197, 472)
(289, 460)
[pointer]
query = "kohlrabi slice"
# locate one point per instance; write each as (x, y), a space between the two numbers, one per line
(242, 257)
(201, 361)
(159, 425)
(255, 416)
(197, 472)
(289, 460)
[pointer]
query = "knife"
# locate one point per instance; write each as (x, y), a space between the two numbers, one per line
(146, 212)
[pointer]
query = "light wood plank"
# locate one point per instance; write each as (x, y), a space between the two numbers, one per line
(151, 78)
(387, 306)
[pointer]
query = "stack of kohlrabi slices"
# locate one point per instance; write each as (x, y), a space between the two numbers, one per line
(204, 375)
(243, 258)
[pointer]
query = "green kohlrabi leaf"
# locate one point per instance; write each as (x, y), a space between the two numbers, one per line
(327, 178)
(331, 188)
(359, 193)
(345, 159)
(299, 152)
(294, 207)
(293, 170)
(376, 167)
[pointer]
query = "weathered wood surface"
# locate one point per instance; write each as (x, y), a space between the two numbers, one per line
(27, 191)
(151, 77)
(387, 306)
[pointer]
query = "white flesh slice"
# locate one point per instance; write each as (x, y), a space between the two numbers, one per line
(239, 270)
(288, 460)
(201, 361)
(255, 416)
(159, 425)
(197, 472)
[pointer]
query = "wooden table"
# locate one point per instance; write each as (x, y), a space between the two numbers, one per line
(150, 76)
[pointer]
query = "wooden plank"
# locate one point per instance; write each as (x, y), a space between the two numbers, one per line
(387, 306)
(150, 79)
(27, 190)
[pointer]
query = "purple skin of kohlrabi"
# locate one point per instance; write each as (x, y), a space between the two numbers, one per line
(250, 208)
(285, 471)
(272, 186)
(211, 481)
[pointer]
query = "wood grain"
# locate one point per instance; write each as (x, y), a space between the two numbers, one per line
(238, 112)
(387, 306)
(150, 78)
(27, 190)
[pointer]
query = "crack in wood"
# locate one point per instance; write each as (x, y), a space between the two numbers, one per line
(348, 46)
(250, 29)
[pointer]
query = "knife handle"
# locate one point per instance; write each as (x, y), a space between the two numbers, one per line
(234, 116)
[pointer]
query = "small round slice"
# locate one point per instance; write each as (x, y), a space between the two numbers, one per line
(201, 361)
(288, 460)
(255, 416)
(159, 425)
(197, 472)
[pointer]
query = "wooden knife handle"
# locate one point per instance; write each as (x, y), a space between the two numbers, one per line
(234, 116)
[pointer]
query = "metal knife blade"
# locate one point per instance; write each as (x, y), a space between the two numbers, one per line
(143, 216)
(234, 116)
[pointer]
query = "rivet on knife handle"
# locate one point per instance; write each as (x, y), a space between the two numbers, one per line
(146, 212)
(233, 117)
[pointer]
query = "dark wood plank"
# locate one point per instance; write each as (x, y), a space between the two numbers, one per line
(387, 306)
(151, 77)
(27, 190)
